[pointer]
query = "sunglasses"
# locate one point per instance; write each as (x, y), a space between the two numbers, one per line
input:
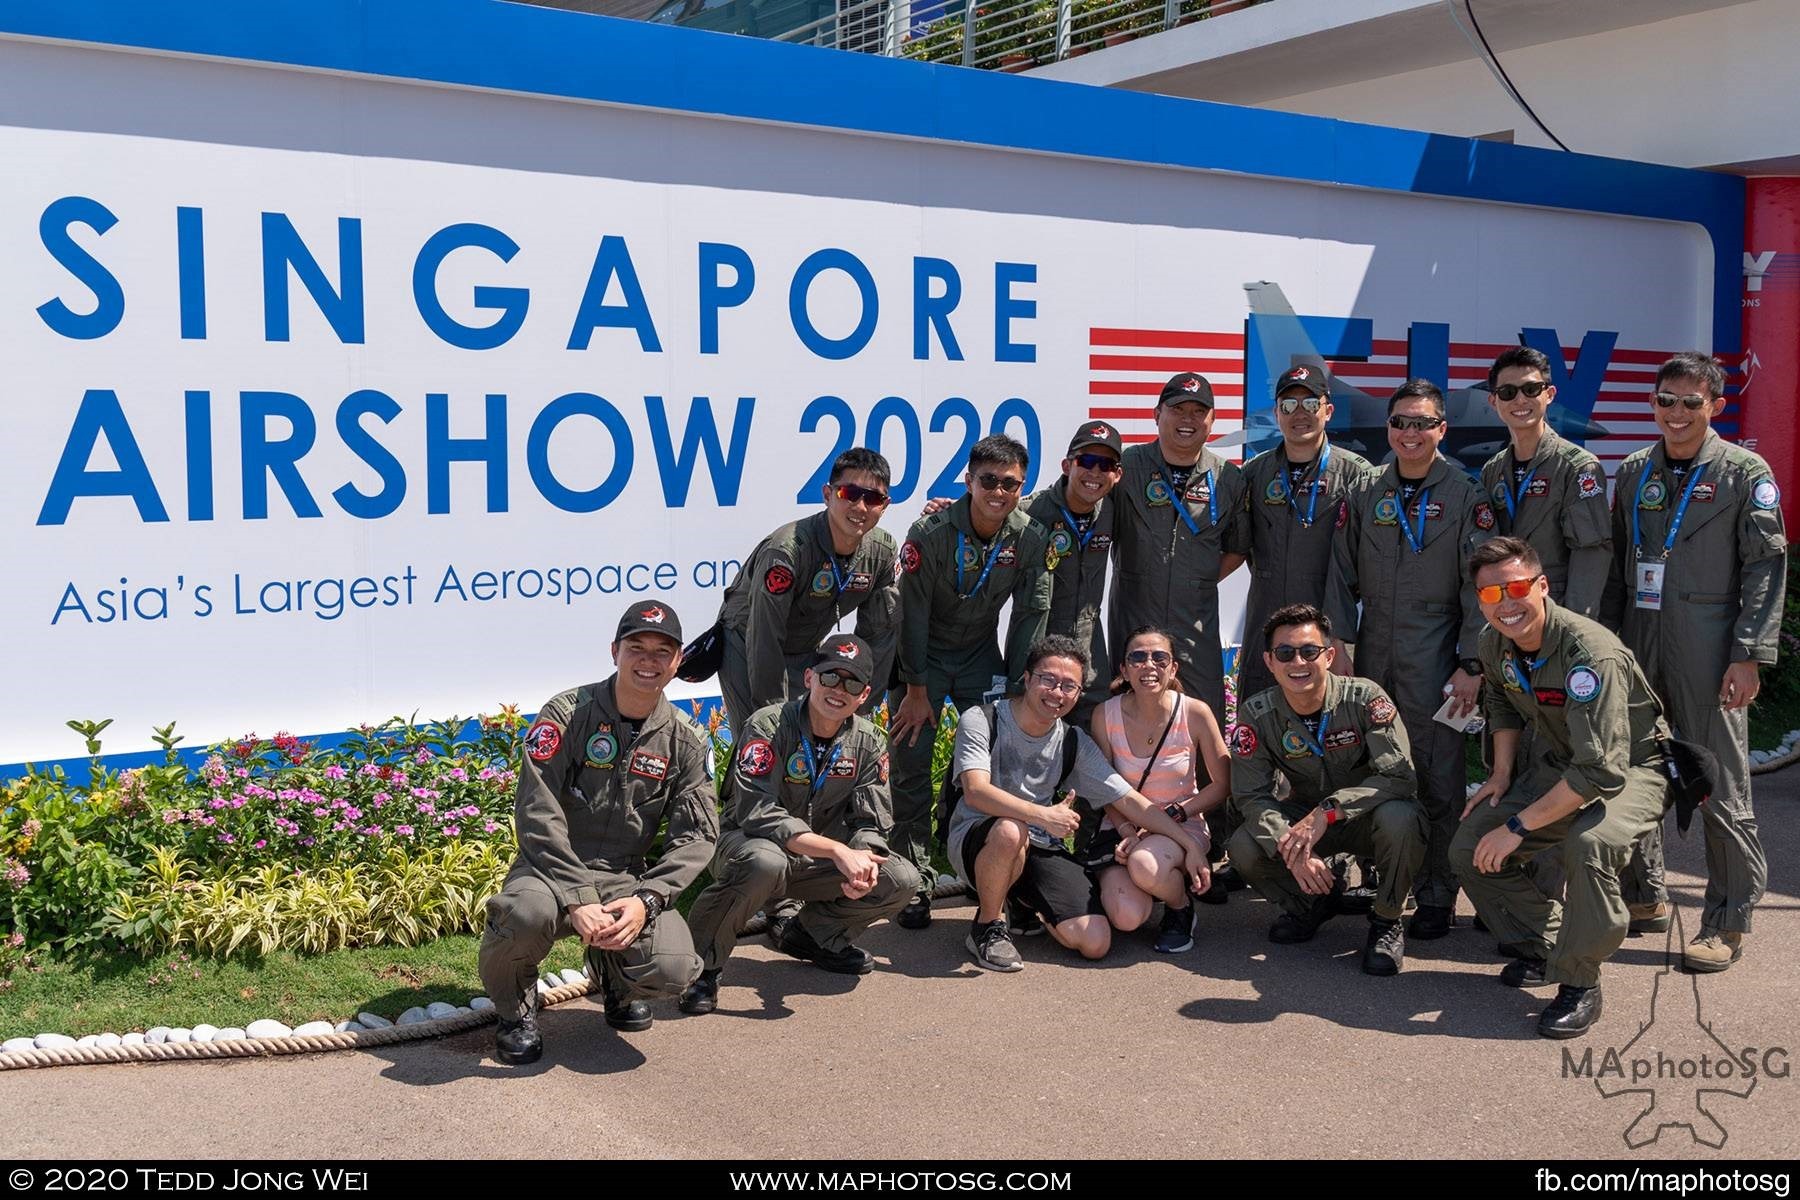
(1099, 462)
(1518, 589)
(1308, 652)
(831, 677)
(1531, 389)
(1138, 658)
(1051, 683)
(1291, 404)
(850, 493)
(1414, 422)
(1693, 403)
(998, 483)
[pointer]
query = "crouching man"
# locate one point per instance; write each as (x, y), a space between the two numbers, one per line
(1019, 783)
(1351, 788)
(1592, 787)
(606, 767)
(808, 820)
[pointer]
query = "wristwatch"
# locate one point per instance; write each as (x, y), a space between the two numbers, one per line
(1176, 813)
(1330, 809)
(1471, 666)
(1514, 825)
(653, 906)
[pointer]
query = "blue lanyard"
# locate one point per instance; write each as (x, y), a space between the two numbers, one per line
(1176, 498)
(841, 581)
(1530, 665)
(985, 570)
(818, 776)
(1318, 483)
(1512, 505)
(1081, 539)
(1318, 746)
(1415, 540)
(1637, 535)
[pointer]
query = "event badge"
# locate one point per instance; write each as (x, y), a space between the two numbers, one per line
(1650, 584)
(996, 691)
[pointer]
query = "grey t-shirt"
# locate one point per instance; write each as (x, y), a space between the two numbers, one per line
(1027, 767)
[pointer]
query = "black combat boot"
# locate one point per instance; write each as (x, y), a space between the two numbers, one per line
(1431, 922)
(1523, 972)
(849, 961)
(701, 996)
(519, 1042)
(1572, 1013)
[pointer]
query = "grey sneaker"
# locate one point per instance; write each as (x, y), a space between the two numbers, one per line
(992, 947)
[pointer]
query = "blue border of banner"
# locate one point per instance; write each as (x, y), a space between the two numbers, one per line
(553, 52)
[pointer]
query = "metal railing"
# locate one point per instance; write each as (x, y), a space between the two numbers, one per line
(1008, 35)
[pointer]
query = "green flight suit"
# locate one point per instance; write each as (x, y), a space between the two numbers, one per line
(1563, 514)
(773, 799)
(590, 807)
(1595, 725)
(949, 638)
(1166, 557)
(1362, 762)
(1419, 616)
(1077, 583)
(1722, 600)
(793, 591)
(1290, 542)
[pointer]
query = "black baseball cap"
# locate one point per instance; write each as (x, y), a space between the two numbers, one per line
(1096, 433)
(848, 654)
(649, 616)
(1310, 376)
(1184, 387)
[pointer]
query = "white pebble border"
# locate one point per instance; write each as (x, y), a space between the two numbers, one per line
(269, 1029)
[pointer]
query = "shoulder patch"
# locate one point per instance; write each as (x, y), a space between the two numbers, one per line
(1484, 515)
(1588, 484)
(882, 768)
(757, 758)
(778, 580)
(1381, 710)
(909, 558)
(543, 740)
(1583, 682)
(1343, 516)
(1765, 495)
(1243, 741)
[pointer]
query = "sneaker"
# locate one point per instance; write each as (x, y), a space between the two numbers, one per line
(701, 996)
(851, 960)
(1572, 1013)
(992, 948)
(1431, 922)
(1651, 918)
(1385, 951)
(518, 1042)
(1523, 972)
(1021, 920)
(1713, 951)
(1176, 935)
(916, 915)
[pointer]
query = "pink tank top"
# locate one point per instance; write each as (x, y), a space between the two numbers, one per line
(1173, 778)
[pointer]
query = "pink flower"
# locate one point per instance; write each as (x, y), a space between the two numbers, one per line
(260, 843)
(451, 831)
(423, 756)
(458, 774)
(352, 814)
(320, 812)
(227, 838)
(404, 830)
(170, 816)
(427, 807)
(241, 772)
(490, 827)
(335, 772)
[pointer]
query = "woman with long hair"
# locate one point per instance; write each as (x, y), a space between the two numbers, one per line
(1167, 745)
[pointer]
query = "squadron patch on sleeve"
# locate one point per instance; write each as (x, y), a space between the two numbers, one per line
(757, 758)
(778, 580)
(1484, 515)
(909, 557)
(1589, 485)
(1243, 741)
(1583, 683)
(543, 740)
(1765, 495)
(1381, 710)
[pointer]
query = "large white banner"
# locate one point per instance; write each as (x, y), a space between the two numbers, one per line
(390, 403)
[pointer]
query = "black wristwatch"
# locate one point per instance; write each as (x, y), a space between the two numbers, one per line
(1176, 813)
(653, 906)
(1516, 826)
(1471, 665)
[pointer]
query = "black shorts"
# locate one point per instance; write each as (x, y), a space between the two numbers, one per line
(1053, 884)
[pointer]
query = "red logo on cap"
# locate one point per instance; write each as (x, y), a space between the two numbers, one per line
(1100, 431)
(1299, 373)
(848, 650)
(654, 614)
(1191, 384)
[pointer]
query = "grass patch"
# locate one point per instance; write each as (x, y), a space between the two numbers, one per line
(1770, 720)
(120, 994)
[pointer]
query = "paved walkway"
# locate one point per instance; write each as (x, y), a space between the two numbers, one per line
(1238, 1049)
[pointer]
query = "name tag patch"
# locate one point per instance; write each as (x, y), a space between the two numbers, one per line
(1340, 739)
(1550, 697)
(650, 766)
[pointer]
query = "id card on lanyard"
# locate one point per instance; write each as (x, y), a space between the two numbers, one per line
(1318, 485)
(1177, 500)
(986, 570)
(1647, 581)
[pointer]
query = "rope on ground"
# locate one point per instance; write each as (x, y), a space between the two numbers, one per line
(1775, 764)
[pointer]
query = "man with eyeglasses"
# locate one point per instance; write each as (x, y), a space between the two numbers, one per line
(959, 568)
(805, 578)
(1179, 528)
(1403, 553)
(1080, 520)
(609, 769)
(1018, 804)
(1591, 785)
(1697, 591)
(1337, 743)
(807, 818)
(1292, 492)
